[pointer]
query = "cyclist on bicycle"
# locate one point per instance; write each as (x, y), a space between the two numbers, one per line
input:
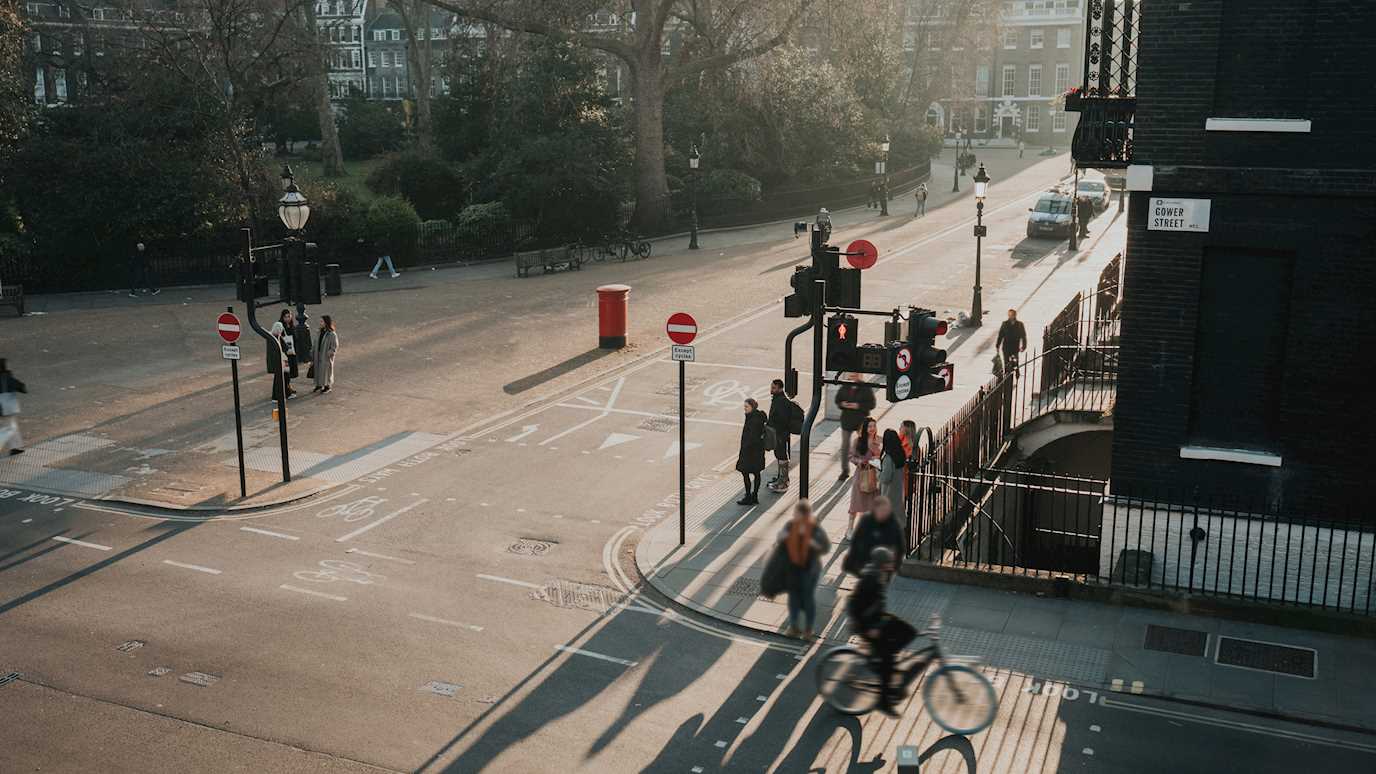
(886, 634)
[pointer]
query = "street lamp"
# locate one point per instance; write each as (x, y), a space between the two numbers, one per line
(292, 208)
(981, 188)
(294, 211)
(693, 160)
(883, 169)
(955, 173)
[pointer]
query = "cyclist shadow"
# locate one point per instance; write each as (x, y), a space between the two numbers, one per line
(961, 745)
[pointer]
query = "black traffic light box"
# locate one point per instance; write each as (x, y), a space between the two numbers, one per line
(801, 302)
(843, 341)
(917, 367)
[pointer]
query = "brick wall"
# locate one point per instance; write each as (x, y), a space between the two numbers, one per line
(1311, 195)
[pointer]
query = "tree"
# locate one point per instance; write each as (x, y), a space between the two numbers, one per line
(714, 35)
(419, 20)
(331, 154)
(15, 105)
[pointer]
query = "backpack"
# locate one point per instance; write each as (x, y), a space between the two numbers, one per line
(795, 418)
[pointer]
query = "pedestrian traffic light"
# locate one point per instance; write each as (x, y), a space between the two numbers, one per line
(842, 342)
(843, 288)
(251, 282)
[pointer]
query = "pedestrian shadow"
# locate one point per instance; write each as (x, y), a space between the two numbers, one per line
(559, 369)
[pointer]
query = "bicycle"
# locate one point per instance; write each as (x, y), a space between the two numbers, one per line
(959, 698)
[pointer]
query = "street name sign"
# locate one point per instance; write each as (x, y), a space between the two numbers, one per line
(681, 327)
(682, 353)
(228, 327)
(1179, 214)
(229, 351)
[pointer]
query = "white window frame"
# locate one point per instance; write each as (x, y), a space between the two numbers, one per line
(1034, 80)
(1063, 37)
(1033, 122)
(1008, 81)
(1010, 38)
(355, 59)
(982, 81)
(1062, 78)
(372, 60)
(396, 35)
(40, 86)
(981, 119)
(1058, 121)
(1036, 38)
(379, 34)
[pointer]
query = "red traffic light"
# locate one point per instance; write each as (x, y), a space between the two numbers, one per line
(941, 328)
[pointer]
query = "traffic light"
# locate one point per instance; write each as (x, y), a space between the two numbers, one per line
(931, 372)
(251, 282)
(802, 302)
(843, 333)
(306, 286)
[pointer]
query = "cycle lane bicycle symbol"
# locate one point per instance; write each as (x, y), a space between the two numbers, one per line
(357, 510)
(338, 570)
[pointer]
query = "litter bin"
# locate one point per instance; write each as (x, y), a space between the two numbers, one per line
(612, 303)
(333, 285)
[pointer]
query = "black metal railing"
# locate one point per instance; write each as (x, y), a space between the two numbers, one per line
(1107, 102)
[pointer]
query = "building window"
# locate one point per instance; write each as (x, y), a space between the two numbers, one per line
(40, 88)
(372, 59)
(379, 34)
(373, 89)
(1010, 38)
(386, 87)
(981, 119)
(1035, 38)
(1034, 80)
(933, 116)
(355, 59)
(933, 41)
(1063, 37)
(1010, 80)
(1034, 118)
(1239, 357)
(355, 33)
(1058, 121)
(982, 81)
(401, 90)
(60, 84)
(396, 34)
(1062, 78)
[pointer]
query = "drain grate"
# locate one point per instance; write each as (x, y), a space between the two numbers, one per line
(1169, 639)
(581, 596)
(1267, 657)
(441, 688)
(530, 547)
(746, 587)
(202, 679)
(9, 678)
(129, 646)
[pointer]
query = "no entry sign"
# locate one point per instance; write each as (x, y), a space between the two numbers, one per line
(682, 328)
(862, 254)
(228, 327)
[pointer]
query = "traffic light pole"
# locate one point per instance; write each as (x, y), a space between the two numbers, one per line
(818, 377)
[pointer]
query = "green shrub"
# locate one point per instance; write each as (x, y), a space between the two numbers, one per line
(337, 214)
(432, 186)
(729, 184)
(367, 129)
(485, 216)
(391, 224)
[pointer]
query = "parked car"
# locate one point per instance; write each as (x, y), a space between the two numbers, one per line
(1096, 191)
(1117, 179)
(1050, 216)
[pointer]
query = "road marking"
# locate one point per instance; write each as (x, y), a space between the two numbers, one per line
(196, 567)
(586, 399)
(696, 770)
(615, 439)
(513, 582)
(761, 698)
(605, 409)
(26, 521)
(1137, 686)
(445, 621)
(742, 721)
(720, 743)
(701, 364)
(1238, 725)
(382, 520)
(674, 451)
(1095, 729)
(1116, 685)
(313, 593)
(81, 543)
(660, 415)
(781, 677)
(378, 556)
(525, 431)
(269, 533)
(1088, 751)
(598, 656)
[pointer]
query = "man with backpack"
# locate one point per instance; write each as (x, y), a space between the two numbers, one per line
(786, 420)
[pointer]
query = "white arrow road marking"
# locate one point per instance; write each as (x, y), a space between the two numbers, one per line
(606, 411)
(81, 543)
(525, 431)
(674, 451)
(616, 439)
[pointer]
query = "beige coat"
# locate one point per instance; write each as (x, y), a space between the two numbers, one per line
(324, 359)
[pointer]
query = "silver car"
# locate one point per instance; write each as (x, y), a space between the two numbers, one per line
(1050, 217)
(1096, 191)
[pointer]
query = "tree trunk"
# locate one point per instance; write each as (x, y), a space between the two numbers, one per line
(331, 157)
(651, 184)
(420, 56)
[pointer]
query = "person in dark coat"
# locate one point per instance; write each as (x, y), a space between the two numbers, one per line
(751, 459)
(885, 633)
(876, 528)
(805, 543)
(856, 401)
(1084, 210)
(780, 418)
(1012, 340)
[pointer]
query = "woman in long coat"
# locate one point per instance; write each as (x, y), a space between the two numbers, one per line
(325, 348)
(751, 459)
(892, 470)
(865, 451)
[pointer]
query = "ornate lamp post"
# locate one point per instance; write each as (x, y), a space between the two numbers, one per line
(981, 188)
(882, 169)
(693, 160)
(955, 173)
(294, 211)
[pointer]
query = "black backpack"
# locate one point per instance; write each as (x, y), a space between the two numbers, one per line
(795, 418)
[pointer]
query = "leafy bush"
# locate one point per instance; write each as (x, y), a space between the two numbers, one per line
(425, 180)
(337, 215)
(485, 216)
(729, 184)
(391, 224)
(367, 129)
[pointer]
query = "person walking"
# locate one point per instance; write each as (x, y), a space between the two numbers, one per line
(282, 331)
(385, 257)
(1012, 339)
(921, 196)
(893, 467)
(879, 527)
(1021, 147)
(11, 442)
(856, 401)
(781, 411)
(865, 456)
(1084, 210)
(805, 543)
(140, 278)
(750, 462)
(326, 345)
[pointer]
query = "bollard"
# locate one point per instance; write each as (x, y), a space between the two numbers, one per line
(907, 759)
(612, 303)
(333, 285)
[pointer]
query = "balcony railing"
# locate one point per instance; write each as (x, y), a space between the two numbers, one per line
(1107, 103)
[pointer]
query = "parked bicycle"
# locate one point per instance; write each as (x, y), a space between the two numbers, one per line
(958, 697)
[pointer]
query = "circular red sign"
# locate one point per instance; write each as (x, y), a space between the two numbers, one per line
(682, 328)
(903, 359)
(863, 254)
(228, 327)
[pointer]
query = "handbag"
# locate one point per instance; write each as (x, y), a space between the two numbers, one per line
(868, 479)
(771, 437)
(775, 577)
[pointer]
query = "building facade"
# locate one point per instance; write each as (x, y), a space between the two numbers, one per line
(341, 25)
(388, 46)
(62, 49)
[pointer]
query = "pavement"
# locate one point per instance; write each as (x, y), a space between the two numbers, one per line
(476, 607)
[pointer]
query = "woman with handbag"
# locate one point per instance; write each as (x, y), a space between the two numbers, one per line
(325, 348)
(282, 331)
(864, 455)
(804, 543)
(750, 462)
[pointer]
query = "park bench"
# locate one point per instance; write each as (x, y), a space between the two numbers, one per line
(549, 260)
(12, 295)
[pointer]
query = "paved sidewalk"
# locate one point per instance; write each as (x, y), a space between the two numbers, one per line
(1089, 645)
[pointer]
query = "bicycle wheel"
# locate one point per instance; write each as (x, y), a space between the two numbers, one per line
(847, 682)
(643, 249)
(960, 699)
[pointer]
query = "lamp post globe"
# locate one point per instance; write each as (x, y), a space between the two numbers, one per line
(694, 159)
(292, 208)
(981, 183)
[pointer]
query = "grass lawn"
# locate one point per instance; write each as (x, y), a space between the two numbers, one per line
(356, 173)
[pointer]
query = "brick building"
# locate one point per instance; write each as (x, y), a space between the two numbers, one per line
(1248, 289)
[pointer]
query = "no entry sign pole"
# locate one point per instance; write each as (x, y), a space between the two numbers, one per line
(228, 328)
(682, 329)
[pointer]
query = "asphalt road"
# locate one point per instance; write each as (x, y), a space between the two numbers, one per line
(474, 607)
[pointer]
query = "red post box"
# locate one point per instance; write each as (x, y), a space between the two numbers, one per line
(612, 303)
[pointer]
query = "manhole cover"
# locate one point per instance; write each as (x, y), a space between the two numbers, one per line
(658, 424)
(583, 596)
(203, 679)
(1266, 657)
(1168, 639)
(746, 587)
(9, 678)
(440, 688)
(130, 645)
(531, 547)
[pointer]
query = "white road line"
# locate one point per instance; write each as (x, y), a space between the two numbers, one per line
(382, 520)
(1088, 751)
(598, 656)
(512, 581)
(313, 593)
(605, 409)
(378, 556)
(269, 533)
(196, 567)
(586, 399)
(81, 543)
(646, 414)
(1238, 725)
(445, 621)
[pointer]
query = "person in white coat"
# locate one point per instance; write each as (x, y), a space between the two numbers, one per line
(11, 442)
(327, 344)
